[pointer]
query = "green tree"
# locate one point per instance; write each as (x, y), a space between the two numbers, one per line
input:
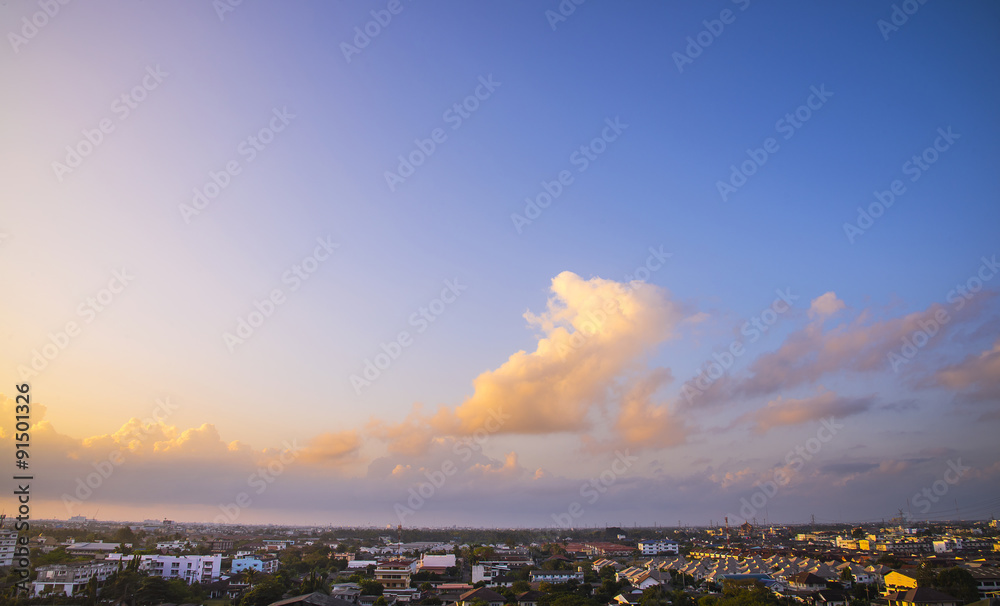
(267, 591)
(152, 590)
(958, 583)
(370, 587)
(520, 587)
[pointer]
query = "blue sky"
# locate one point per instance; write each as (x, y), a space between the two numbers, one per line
(210, 80)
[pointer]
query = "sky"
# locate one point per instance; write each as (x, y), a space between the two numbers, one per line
(544, 264)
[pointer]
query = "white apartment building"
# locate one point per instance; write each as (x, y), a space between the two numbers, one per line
(658, 547)
(190, 568)
(70, 579)
(8, 544)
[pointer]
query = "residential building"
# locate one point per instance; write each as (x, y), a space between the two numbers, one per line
(529, 598)
(487, 595)
(987, 580)
(260, 564)
(556, 576)
(92, 549)
(70, 579)
(221, 544)
(8, 545)
(921, 596)
(190, 568)
(806, 581)
(395, 574)
(653, 548)
(896, 581)
(436, 564)
(313, 599)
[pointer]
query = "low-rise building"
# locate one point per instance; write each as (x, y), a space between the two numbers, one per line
(657, 547)
(556, 576)
(487, 595)
(8, 545)
(190, 568)
(395, 574)
(266, 565)
(92, 549)
(70, 579)
(921, 596)
(436, 564)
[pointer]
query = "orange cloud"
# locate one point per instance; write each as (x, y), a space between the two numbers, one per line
(781, 411)
(977, 375)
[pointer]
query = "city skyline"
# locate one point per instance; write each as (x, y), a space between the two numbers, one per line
(535, 265)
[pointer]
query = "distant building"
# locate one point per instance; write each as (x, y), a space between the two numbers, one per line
(8, 545)
(556, 576)
(436, 564)
(653, 548)
(92, 549)
(221, 544)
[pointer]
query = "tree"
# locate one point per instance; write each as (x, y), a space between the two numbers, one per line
(267, 591)
(858, 533)
(958, 583)
(845, 575)
(152, 590)
(370, 587)
(521, 586)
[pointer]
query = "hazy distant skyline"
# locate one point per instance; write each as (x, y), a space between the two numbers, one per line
(550, 263)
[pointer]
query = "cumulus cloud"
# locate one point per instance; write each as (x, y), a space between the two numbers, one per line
(332, 448)
(825, 305)
(642, 423)
(593, 332)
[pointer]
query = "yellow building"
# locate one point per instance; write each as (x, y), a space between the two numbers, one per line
(900, 581)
